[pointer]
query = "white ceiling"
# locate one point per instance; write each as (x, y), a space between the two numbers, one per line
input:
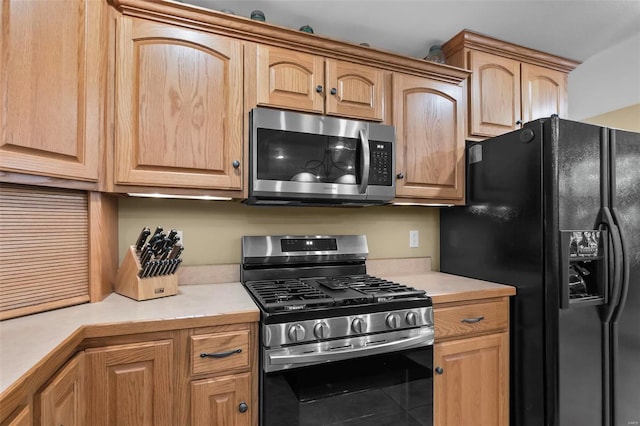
(572, 29)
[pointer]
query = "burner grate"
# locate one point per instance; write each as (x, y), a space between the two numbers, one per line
(287, 295)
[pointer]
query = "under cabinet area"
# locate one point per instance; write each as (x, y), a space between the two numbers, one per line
(428, 116)
(179, 117)
(471, 363)
(285, 78)
(509, 84)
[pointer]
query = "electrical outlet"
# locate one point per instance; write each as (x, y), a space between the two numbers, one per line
(414, 239)
(181, 236)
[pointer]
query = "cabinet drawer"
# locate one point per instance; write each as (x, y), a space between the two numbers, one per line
(473, 318)
(226, 351)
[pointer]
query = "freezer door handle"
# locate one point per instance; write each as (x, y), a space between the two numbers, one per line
(616, 284)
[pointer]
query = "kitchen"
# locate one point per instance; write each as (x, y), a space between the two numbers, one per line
(207, 234)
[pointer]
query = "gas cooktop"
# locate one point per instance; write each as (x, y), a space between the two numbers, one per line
(328, 291)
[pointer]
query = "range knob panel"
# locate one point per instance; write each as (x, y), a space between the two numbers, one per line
(393, 320)
(321, 330)
(359, 325)
(412, 318)
(296, 333)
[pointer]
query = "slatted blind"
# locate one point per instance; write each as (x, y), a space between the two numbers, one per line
(44, 249)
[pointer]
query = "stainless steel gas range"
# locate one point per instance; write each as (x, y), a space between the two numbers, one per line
(338, 347)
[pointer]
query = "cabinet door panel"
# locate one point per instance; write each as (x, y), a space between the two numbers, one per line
(50, 75)
(429, 116)
(179, 120)
(359, 90)
(544, 92)
(131, 384)
(62, 402)
(289, 79)
(495, 94)
(215, 402)
(473, 387)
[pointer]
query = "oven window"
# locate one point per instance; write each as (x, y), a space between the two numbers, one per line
(301, 157)
(391, 389)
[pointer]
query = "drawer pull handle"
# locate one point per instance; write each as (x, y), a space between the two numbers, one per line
(472, 320)
(221, 354)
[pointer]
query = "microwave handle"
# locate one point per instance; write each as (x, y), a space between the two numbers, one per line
(365, 160)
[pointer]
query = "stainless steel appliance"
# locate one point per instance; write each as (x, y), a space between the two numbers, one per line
(338, 346)
(554, 209)
(300, 158)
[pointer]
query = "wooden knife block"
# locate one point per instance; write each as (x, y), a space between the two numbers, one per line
(129, 284)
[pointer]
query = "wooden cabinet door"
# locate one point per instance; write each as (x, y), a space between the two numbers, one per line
(131, 384)
(62, 402)
(494, 94)
(21, 417)
(429, 120)
(289, 79)
(544, 92)
(217, 402)
(179, 120)
(354, 90)
(51, 69)
(473, 387)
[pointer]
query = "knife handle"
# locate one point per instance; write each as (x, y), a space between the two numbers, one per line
(144, 234)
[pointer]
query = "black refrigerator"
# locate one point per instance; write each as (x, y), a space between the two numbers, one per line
(554, 210)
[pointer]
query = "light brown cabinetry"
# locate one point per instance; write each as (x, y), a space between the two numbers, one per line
(179, 119)
(21, 417)
(131, 384)
(63, 401)
(429, 116)
(52, 73)
(471, 363)
(285, 78)
(509, 84)
(221, 367)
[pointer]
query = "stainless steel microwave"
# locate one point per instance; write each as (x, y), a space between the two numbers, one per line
(308, 159)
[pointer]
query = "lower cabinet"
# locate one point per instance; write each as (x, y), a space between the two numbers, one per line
(221, 401)
(131, 384)
(471, 364)
(62, 402)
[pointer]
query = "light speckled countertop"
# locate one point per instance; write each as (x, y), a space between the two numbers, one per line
(25, 341)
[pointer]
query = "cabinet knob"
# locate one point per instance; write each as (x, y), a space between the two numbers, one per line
(236, 164)
(519, 122)
(334, 90)
(319, 88)
(439, 370)
(400, 175)
(243, 407)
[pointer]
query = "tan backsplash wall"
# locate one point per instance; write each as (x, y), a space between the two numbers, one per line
(212, 230)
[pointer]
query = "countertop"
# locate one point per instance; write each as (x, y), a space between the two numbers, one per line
(27, 341)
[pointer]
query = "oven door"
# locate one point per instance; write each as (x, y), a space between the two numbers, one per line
(387, 389)
(298, 156)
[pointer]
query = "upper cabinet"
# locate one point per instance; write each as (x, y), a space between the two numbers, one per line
(179, 118)
(289, 79)
(429, 120)
(52, 87)
(509, 84)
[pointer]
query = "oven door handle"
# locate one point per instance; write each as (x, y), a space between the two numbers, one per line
(350, 352)
(365, 160)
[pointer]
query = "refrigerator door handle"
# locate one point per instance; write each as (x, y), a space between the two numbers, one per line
(616, 284)
(624, 282)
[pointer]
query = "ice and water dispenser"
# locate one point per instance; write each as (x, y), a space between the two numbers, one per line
(583, 268)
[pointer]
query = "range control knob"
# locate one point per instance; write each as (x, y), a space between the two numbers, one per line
(321, 330)
(412, 318)
(393, 320)
(359, 325)
(296, 333)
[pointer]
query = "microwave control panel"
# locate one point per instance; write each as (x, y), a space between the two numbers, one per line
(381, 166)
